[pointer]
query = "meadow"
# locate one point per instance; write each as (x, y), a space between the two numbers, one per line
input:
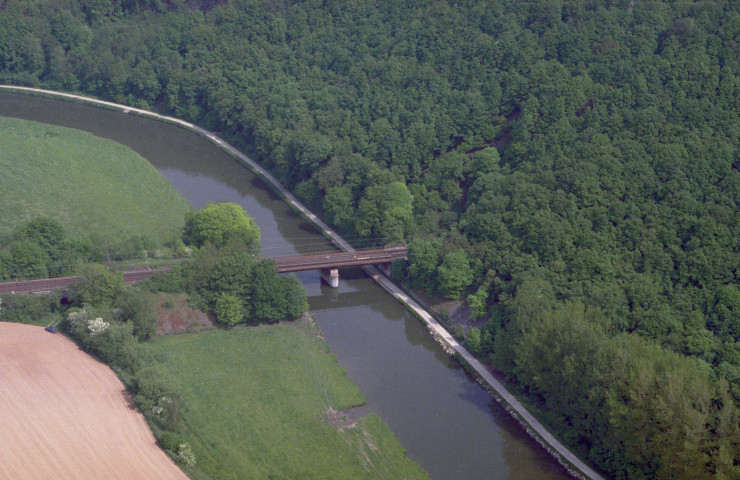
(87, 183)
(258, 403)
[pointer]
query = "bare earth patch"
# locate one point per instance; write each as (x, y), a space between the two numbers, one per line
(66, 415)
(176, 316)
(339, 420)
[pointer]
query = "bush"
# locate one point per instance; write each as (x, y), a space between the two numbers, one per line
(28, 308)
(185, 455)
(105, 248)
(229, 309)
(157, 394)
(97, 285)
(473, 341)
(138, 308)
(171, 440)
(166, 282)
(221, 224)
(458, 331)
(175, 443)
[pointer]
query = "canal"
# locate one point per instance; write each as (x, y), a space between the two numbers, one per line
(450, 425)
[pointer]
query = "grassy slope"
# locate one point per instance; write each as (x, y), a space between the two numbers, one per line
(255, 400)
(88, 183)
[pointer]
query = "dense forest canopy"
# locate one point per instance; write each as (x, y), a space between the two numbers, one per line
(567, 166)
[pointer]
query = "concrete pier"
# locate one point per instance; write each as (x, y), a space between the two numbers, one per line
(330, 276)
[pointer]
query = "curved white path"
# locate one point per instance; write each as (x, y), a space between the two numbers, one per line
(576, 466)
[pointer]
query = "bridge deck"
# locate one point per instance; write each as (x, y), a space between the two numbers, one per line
(339, 259)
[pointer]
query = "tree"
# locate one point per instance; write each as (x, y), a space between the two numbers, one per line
(44, 231)
(138, 308)
(473, 340)
(386, 210)
(423, 256)
(26, 260)
(97, 285)
(222, 224)
(229, 309)
(293, 296)
(455, 274)
(275, 297)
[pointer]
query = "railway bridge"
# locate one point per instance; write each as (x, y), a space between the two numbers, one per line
(328, 263)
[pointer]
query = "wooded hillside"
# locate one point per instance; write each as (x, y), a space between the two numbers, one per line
(571, 168)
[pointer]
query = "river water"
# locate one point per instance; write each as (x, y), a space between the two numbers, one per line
(445, 421)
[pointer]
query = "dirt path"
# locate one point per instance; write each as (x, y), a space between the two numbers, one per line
(66, 415)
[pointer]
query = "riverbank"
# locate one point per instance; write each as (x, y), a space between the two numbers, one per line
(437, 330)
(253, 379)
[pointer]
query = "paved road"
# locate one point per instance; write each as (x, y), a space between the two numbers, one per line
(562, 452)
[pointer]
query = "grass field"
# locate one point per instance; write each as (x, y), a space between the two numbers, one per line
(256, 401)
(88, 183)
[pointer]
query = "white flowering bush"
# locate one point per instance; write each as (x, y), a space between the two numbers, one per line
(76, 317)
(161, 405)
(97, 325)
(185, 454)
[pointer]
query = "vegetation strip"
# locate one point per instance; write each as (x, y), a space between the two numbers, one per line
(383, 281)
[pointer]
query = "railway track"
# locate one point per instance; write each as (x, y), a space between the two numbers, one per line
(296, 263)
(44, 285)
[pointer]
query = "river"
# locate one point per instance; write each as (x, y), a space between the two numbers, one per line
(448, 424)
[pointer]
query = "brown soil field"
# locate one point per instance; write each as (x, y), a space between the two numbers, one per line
(64, 414)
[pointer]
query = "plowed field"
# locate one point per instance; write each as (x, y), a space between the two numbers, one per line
(64, 414)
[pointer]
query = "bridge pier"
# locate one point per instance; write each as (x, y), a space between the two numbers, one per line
(330, 276)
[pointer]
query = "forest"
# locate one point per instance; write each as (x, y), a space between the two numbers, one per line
(570, 168)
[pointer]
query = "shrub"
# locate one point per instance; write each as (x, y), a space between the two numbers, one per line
(229, 309)
(166, 282)
(97, 325)
(170, 441)
(458, 331)
(156, 392)
(137, 307)
(185, 454)
(97, 285)
(473, 341)
(27, 308)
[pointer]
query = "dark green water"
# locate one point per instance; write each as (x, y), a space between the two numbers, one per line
(446, 421)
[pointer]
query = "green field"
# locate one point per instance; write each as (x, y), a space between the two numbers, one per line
(255, 401)
(89, 184)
